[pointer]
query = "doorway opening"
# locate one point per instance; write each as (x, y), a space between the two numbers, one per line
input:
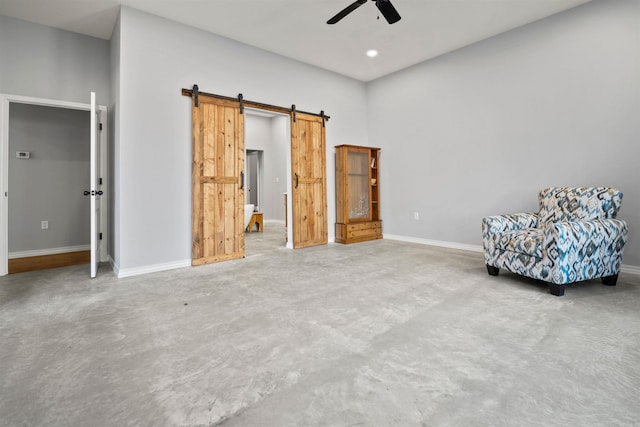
(267, 169)
(45, 159)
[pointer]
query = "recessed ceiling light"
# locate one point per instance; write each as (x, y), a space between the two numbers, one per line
(372, 53)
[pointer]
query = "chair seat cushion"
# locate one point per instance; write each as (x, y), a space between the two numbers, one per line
(525, 241)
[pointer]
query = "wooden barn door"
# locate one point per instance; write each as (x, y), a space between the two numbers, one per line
(308, 171)
(218, 181)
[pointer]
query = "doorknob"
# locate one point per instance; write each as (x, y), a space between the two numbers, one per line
(93, 193)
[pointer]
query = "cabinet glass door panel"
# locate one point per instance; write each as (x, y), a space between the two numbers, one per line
(358, 186)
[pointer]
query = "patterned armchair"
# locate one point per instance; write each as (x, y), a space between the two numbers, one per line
(573, 237)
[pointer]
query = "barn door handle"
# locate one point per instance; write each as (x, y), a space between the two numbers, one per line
(297, 179)
(242, 180)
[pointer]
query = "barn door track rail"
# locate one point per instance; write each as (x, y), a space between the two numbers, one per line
(195, 93)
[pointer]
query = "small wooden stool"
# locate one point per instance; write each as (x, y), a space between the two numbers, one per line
(256, 218)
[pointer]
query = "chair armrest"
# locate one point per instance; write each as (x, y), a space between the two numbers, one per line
(583, 250)
(498, 223)
(574, 234)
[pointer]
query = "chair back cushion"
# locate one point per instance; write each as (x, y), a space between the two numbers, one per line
(563, 204)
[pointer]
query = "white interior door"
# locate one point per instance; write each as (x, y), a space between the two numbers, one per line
(94, 189)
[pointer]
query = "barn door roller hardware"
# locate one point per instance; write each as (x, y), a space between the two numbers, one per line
(195, 93)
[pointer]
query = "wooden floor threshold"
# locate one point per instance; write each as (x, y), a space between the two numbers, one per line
(44, 262)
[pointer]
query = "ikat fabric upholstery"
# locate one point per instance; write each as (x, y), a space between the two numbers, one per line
(573, 237)
(560, 204)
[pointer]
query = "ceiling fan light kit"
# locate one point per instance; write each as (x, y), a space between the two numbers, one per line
(384, 6)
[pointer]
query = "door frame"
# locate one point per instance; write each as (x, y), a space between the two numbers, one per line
(5, 101)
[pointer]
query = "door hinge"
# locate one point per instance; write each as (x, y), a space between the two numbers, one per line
(100, 126)
(100, 236)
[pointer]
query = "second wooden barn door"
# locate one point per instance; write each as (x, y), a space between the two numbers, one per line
(217, 179)
(308, 171)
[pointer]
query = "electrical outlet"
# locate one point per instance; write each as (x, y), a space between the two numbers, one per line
(44, 225)
(416, 216)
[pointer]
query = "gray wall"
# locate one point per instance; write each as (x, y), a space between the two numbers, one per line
(45, 62)
(48, 185)
(153, 180)
(480, 131)
(257, 136)
(472, 133)
(281, 143)
(269, 135)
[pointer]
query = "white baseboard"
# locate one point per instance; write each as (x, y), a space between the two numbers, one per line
(50, 251)
(136, 271)
(630, 269)
(274, 221)
(429, 242)
(114, 266)
(627, 269)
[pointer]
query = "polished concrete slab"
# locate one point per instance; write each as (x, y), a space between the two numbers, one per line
(380, 333)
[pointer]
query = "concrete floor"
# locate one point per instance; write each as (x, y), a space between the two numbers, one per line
(380, 333)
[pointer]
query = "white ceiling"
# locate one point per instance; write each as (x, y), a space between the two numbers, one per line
(297, 28)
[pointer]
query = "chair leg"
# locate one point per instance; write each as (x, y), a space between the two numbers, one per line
(557, 290)
(610, 280)
(493, 271)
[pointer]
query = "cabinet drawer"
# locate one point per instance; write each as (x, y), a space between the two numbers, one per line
(360, 232)
(370, 232)
(364, 226)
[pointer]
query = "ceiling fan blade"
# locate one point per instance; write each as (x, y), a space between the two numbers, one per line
(347, 10)
(388, 11)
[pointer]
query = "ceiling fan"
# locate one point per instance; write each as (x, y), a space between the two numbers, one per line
(386, 8)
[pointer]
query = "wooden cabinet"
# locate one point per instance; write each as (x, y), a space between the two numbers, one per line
(357, 194)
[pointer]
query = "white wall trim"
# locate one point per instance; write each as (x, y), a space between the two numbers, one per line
(429, 242)
(627, 269)
(4, 182)
(128, 272)
(630, 269)
(50, 251)
(48, 102)
(114, 266)
(274, 221)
